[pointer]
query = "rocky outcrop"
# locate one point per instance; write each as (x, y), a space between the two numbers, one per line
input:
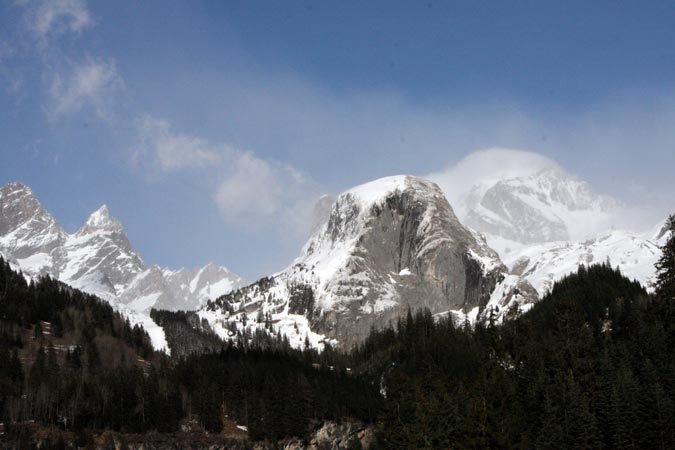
(334, 436)
(326, 436)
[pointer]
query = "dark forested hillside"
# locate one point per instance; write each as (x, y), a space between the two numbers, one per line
(68, 361)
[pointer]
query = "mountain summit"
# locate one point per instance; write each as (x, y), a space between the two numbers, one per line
(28, 232)
(388, 246)
(101, 220)
(549, 205)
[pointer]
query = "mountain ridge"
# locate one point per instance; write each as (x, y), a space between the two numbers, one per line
(99, 259)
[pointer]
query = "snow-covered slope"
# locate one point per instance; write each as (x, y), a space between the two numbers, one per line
(634, 253)
(386, 246)
(99, 259)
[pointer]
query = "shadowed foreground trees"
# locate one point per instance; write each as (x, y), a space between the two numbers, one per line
(101, 373)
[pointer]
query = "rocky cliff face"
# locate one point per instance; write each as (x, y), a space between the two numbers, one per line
(387, 246)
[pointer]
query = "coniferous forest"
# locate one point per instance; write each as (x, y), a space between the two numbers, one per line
(590, 366)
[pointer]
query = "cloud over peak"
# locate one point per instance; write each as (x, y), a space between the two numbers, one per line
(484, 168)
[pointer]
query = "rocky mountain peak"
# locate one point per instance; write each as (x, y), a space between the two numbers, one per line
(18, 206)
(101, 220)
(387, 246)
(26, 228)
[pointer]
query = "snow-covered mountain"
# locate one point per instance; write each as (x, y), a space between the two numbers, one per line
(549, 205)
(386, 246)
(635, 254)
(543, 221)
(99, 259)
(517, 198)
(28, 233)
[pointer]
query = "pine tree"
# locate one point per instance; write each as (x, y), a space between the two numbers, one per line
(665, 281)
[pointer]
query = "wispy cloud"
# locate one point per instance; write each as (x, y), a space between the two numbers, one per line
(89, 84)
(248, 186)
(70, 81)
(170, 150)
(257, 187)
(47, 19)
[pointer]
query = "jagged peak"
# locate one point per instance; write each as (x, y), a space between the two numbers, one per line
(101, 220)
(19, 205)
(17, 189)
(217, 267)
(15, 186)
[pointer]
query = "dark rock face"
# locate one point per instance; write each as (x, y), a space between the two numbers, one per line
(301, 300)
(478, 285)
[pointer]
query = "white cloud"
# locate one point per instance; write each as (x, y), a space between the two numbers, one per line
(248, 186)
(482, 169)
(258, 187)
(50, 18)
(170, 150)
(88, 84)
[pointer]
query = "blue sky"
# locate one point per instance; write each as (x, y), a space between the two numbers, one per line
(210, 128)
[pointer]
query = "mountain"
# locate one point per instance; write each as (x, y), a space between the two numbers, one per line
(387, 246)
(633, 253)
(518, 198)
(549, 205)
(29, 235)
(99, 259)
(543, 221)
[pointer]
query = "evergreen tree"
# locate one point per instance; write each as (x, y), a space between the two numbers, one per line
(665, 280)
